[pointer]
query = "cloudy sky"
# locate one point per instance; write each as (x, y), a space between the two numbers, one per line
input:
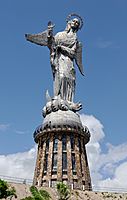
(25, 75)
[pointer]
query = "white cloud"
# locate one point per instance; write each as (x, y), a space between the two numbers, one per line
(103, 44)
(107, 169)
(4, 127)
(19, 165)
(95, 127)
(97, 134)
(118, 181)
(20, 132)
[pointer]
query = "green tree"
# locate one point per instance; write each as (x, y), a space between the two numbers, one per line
(37, 194)
(6, 190)
(63, 191)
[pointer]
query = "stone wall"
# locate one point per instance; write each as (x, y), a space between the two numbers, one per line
(22, 191)
(62, 157)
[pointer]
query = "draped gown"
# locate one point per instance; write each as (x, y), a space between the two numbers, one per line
(63, 62)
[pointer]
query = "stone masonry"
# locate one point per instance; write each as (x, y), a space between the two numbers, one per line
(61, 153)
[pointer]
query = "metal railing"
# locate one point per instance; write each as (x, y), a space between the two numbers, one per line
(94, 188)
(109, 189)
(16, 179)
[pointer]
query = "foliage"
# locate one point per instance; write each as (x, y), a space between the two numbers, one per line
(45, 194)
(28, 198)
(6, 190)
(63, 191)
(37, 194)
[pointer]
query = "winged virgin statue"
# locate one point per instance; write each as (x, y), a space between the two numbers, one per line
(65, 51)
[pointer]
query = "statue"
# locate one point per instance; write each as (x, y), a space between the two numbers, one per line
(64, 50)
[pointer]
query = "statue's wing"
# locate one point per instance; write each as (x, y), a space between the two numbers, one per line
(40, 38)
(78, 57)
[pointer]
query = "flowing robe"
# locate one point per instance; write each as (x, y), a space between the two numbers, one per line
(63, 63)
(64, 50)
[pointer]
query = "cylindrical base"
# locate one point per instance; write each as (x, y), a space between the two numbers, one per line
(62, 157)
(61, 152)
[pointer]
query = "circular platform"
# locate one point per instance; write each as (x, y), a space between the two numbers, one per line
(62, 121)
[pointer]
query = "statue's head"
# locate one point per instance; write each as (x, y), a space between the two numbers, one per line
(75, 23)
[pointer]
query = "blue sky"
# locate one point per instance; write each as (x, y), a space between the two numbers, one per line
(25, 72)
